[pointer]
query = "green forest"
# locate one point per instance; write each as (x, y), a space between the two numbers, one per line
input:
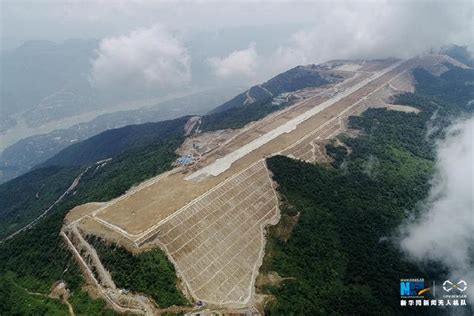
(238, 117)
(152, 272)
(33, 260)
(33, 193)
(339, 258)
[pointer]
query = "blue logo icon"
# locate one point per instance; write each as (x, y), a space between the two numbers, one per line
(412, 287)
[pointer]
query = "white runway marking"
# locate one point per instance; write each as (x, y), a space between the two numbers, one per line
(224, 163)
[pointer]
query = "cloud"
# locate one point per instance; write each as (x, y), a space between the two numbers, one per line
(241, 63)
(379, 29)
(327, 30)
(147, 57)
(333, 29)
(445, 231)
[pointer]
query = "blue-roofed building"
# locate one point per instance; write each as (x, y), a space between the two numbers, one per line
(185, 160)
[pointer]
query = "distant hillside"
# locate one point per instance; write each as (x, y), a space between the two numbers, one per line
(116, 141)
(294, 79)
(137, 152)
(453, 86)
(31, 151)
(44, 80)
(460, 53)
(25, 154)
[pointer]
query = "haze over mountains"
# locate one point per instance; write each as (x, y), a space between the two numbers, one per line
(21, 156)
(32, 150)
(49, 97)
(44, 81)
(52, 82)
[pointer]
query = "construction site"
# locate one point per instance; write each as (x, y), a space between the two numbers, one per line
(209, 214)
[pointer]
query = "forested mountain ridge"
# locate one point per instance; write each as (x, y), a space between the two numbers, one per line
(25, 154)
(336, 255)
(113, 142)
(24, 198)
(294, 79)
(36, 258)
(31, 151)
(129, 158)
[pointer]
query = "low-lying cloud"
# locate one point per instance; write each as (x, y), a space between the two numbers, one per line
(329, 30)
(445, 231)
(145, 58)
(379, 29)
(240, 63)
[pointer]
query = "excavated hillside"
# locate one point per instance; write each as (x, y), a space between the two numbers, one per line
(209, 214)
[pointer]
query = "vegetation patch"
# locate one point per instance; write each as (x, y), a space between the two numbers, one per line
(16, 300)
(238, 117)
(24, 198)
(149, 272)
(39, 255)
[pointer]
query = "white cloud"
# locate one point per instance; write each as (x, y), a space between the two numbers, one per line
(344, 30)
(238, 63)
(147, 58)
(335, 29)
(445, 231)
(328, 30)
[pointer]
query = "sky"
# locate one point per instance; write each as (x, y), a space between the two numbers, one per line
(145, 41)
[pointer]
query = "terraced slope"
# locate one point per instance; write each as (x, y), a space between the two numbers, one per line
(209, 217)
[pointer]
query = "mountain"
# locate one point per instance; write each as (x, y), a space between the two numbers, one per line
(25, 154)
(333, 241)
(54, 153)
(31, 151)
(26, 197)
(36, 258)
(294, 79)
(114, 142)
(120, 142)
(43, 81)
(460, 53)
(327, 255)
(23, 199)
